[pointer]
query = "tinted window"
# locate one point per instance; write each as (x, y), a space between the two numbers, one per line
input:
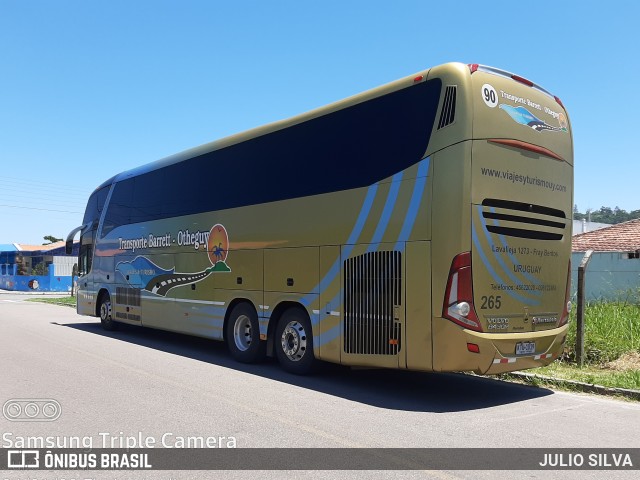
(119, 209)
(351, 148)
(95, 205)
(187, 189)
(148, 190)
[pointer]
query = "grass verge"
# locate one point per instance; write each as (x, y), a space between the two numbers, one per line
(623, 372)
(555, 374)
(66, 301)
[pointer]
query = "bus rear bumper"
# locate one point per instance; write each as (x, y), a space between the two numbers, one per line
(459, 349)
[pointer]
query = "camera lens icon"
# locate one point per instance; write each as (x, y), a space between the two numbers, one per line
(31, 410)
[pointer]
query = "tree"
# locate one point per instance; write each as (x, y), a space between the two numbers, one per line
(606, 215)
(41, 269)
(51, 239)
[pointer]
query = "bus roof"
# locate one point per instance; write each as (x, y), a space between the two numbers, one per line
(317, 112)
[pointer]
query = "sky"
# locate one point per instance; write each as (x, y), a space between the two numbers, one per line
(92, 88)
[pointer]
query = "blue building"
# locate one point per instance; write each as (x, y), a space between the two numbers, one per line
(44, 268)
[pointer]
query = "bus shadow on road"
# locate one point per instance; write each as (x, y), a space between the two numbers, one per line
(390, 389)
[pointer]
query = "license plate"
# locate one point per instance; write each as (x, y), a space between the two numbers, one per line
(525, 348)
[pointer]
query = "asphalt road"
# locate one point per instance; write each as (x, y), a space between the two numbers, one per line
(137, 381)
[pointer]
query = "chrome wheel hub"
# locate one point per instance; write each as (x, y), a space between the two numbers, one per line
(294, 341)
(105, 311)
(242, 334)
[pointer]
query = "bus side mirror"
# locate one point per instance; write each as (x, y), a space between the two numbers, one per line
(68, 246)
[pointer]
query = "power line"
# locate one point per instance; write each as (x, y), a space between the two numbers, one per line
(45, 190)
(41, 184)
(21, 189)
(40, 198)
(40, 209)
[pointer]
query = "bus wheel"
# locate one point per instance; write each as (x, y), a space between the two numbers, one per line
(294, 342)
(243, 335)
(105, 313)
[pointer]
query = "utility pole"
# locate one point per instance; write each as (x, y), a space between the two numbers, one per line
(580, 313)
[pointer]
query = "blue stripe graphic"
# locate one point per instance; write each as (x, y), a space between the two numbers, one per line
(407, 227)
(414, 204)
(389, 205)
(353, 238)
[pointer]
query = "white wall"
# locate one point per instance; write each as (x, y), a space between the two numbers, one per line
(63, 266)
(609, 276)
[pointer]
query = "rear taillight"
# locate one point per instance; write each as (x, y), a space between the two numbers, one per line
(473, 67)
(566, 310)
(458, 298)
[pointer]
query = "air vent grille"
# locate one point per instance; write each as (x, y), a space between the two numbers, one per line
(524, 220)
(128, 296)
(448, 112)
(372, 298)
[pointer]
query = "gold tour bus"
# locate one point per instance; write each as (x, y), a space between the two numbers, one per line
(423, 225)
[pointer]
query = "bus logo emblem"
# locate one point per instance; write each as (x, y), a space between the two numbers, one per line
(218, 248)
(524, 117)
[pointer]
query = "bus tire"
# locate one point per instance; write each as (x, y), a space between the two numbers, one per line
(294, 342)
(104, 308)
(243, 335)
